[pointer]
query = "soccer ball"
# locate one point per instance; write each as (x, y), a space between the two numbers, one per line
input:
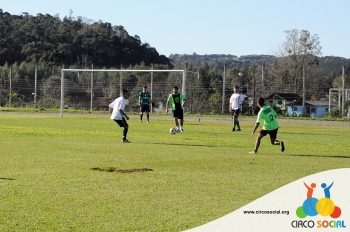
(172, 130)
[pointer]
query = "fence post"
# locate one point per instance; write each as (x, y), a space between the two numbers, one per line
(10, 95)
(152, 89)
(223, 90)
(343, 93)
(62, 92)
(92, 85)
(184, 80)
(121, 82)
(35, 83)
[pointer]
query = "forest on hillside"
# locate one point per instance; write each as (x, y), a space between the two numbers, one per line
(70, 41)
(34, 49)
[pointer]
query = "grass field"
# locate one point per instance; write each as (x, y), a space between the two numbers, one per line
(47, 181)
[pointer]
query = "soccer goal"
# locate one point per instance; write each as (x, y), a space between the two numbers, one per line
(92, 71)
(343, 95)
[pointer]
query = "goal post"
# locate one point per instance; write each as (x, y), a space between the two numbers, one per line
(183, 86)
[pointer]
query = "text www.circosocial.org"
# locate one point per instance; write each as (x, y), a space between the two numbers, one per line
(285, 212)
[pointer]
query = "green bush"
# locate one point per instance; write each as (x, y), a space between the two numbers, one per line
(335, 113)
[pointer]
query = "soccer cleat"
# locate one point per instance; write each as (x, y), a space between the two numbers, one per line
(126, 141)
(233, 129)
(239, 129)
(179, 130)
(252, 152)
(282, 146)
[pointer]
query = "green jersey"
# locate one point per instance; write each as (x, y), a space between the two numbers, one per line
(144, 98)
(269, 116)
(176, 100)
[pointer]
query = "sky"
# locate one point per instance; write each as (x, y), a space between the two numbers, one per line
(236, 27)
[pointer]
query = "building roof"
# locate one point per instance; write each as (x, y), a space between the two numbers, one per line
(289, 97)
(318, 103)
(312, 103)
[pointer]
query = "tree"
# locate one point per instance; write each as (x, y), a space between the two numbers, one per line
(301, 51)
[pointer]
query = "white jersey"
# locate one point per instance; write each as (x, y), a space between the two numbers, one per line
(236, 101)
(118, 104)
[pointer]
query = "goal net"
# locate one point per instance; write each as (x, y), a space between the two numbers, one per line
(94, 89)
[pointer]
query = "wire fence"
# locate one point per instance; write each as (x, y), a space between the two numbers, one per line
(205, 94)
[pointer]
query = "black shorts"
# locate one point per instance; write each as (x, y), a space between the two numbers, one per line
(144, 108)
(235, 112)
(272, 133)
(122, 123)
(178, 113)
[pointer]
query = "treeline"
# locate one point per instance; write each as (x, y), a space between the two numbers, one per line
(231, 61)
(271, 74)
(70, 41)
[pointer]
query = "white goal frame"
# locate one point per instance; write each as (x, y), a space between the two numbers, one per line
(343, 96)
(183, 86)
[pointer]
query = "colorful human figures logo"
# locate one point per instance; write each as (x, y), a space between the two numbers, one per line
(323, 206)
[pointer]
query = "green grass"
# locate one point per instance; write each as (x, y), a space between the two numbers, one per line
(47, 182)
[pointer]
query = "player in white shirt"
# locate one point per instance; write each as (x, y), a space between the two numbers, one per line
(116, 108)
(235, 107)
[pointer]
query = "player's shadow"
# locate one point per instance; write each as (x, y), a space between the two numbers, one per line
(183, 144)
(195, 124)
(305, 133)
(4, 178)
(324, 156)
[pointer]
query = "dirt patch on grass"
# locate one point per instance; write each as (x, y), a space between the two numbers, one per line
(130, 170)
(4, 178)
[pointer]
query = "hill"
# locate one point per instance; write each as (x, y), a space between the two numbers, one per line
(48, 39)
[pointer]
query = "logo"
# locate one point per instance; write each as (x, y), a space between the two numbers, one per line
(324, 206)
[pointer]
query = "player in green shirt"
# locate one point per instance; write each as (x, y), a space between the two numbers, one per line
(176, 100)
(144, 102)
(269, 116)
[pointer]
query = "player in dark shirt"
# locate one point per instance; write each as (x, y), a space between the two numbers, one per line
(144, 102)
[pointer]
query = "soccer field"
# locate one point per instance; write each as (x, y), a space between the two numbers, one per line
(52, 174)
